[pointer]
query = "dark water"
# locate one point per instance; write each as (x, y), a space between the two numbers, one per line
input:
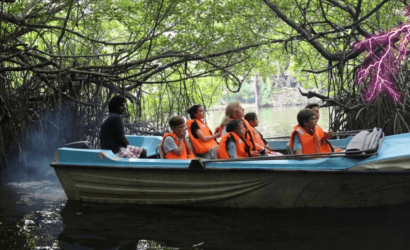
(35, 215)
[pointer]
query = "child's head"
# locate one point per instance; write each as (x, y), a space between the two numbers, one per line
(252, 118)
(235, 126)
(225, 121)
(177, 123)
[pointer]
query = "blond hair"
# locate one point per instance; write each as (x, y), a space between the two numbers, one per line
(232, 108)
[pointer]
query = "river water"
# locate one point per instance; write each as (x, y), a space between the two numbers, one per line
(34, 214)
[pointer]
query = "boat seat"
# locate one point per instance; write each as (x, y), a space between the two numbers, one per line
(78, 144)
(214, 152)
(159, 152)
(365, 141)
(289, 149)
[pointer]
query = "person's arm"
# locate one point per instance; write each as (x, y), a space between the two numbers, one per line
(231, 149)
(204, 138)
(255, 154)
(326, 137)
(182, 141)
(188, 146)
(178, 150)
(297, 146)
(124, 140)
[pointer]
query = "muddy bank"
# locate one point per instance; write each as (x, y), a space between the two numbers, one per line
(284, 97)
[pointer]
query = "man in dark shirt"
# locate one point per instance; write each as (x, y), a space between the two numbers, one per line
(112, 135)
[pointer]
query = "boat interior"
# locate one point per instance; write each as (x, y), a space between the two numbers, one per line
(361, 143)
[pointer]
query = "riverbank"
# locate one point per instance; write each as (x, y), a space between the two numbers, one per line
(285, 97)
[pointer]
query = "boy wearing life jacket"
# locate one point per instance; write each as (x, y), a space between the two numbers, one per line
(200, 135)
(233, 145)
(252, 118)
(174, 145)
(304, 139)
(326, 147)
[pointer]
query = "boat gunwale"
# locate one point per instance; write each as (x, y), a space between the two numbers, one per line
(276, 170)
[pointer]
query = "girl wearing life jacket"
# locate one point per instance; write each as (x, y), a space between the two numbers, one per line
(252, 118)
(232, 144)
(174, 145)
(305, 139)
(235, 111)
(200, 135)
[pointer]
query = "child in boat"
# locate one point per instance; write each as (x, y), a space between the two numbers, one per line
(327, 146)
(304, 138)
(234, 110)
(253, 120)
(175, 145)
(200, 135)
(112, 135)
(220, 128)
(233, 145)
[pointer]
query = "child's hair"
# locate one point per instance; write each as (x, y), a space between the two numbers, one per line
(193, 110)
(304, 115)
(251, 116)
(312, 105)
(232, 125)
(176, 121)
(224, 121)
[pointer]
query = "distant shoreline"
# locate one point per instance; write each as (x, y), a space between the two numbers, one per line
(288, 97)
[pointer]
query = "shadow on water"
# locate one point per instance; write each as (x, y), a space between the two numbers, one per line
(105, 226)
(30, 208)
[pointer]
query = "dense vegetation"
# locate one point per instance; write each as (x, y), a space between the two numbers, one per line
(62, 60)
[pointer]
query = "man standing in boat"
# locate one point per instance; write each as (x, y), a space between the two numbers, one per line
(112, 135)
(305, 139)
(175, 145)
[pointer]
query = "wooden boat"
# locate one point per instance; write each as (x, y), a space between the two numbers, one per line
(373, 171)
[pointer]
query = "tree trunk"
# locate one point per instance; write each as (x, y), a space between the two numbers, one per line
(258, 85)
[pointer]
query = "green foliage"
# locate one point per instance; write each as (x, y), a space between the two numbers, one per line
(266, 91)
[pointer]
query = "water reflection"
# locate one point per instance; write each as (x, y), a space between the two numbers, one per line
(277, 121)
(30, 212)
(98, 226)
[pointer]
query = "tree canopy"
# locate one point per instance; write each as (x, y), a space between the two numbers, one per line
(66, 57)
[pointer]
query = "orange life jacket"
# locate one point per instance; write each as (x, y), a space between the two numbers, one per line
(171, 155)
(250, 136)
(242, 148)
(259, 137)
(310, 143)
(325, 148)
(200, 147)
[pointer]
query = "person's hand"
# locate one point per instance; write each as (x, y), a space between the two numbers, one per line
(182, 134)
(329, 134)
(217, 135)
(255, 154)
